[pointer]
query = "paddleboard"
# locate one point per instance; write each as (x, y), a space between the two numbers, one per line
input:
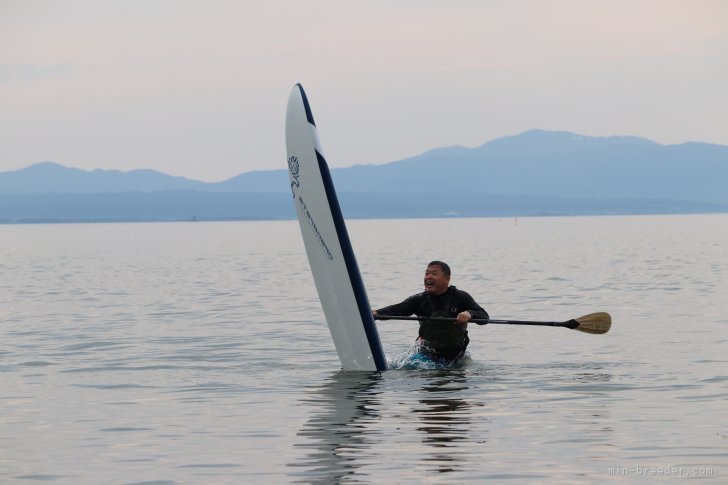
(328, 248)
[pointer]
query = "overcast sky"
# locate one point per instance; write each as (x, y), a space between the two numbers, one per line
(199, 88)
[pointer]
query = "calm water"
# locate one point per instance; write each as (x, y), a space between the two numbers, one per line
(197, 352)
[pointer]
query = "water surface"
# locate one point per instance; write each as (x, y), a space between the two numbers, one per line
(197, 352)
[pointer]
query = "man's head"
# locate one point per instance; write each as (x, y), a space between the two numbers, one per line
(437, 278)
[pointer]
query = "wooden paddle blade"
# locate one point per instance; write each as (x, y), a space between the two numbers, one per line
(599, 322)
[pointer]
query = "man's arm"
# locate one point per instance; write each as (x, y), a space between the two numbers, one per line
(475, 310)
(404, 309)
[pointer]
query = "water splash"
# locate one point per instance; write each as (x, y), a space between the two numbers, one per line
(417, 357)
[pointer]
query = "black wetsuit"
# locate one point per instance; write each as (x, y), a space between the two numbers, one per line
(449, 304)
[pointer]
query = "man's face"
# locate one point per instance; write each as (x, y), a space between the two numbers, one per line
(436, 282)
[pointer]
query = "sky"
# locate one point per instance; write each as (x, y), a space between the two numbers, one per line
(199, 88)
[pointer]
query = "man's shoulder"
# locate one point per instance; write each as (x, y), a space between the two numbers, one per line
(458, 292)
(416, 296)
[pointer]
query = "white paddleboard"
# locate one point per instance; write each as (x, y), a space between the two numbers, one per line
(335, 272)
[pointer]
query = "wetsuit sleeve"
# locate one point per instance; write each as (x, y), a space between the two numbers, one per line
(404, 309)
(476, 311)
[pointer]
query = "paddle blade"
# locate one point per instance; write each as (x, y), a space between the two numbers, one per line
(599, 322)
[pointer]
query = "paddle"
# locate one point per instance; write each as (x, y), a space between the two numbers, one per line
(596, 323)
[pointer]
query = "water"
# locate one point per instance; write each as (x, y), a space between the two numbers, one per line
(196, 352)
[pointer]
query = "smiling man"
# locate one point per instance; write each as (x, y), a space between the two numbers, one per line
(443, 340)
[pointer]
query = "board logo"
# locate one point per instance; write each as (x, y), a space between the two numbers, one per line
(293, 168)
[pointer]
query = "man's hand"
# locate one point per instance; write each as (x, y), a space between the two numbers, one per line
(463, 318)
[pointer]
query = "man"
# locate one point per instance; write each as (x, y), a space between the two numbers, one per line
(443, 340)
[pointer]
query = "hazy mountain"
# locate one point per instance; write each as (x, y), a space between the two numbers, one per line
(539, 163)
(257, 181)
(537, 172)
(557, 164)
(49, 177)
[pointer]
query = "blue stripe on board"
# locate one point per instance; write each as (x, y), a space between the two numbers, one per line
(309, 114)
(352, 268)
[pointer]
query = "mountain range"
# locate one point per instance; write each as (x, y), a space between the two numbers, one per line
(535, 173)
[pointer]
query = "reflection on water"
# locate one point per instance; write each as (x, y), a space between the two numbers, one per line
(339, 432)
(441, 422)
(350, 424)
(445, 420)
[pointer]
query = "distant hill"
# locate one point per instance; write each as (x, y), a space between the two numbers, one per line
(53, 178)
(534, 173)
(541, 163)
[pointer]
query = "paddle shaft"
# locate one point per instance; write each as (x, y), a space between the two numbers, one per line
(568, 324)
